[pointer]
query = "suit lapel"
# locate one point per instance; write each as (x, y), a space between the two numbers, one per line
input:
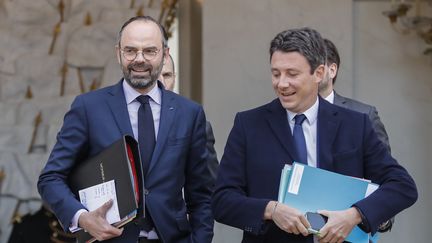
(118, 106)
(277, 119)
(328, 124)
(168, 111)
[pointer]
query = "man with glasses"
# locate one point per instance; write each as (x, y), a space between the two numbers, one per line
(174, 146)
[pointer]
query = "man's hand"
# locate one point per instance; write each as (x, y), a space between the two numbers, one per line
(96, 224)
(339, 225)
(287, 218)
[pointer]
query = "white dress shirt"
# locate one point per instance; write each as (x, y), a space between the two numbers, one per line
(309, 127)
(330, 97)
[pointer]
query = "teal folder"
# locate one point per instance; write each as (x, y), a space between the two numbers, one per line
(310, 189)
(374, 238)
(284, 182)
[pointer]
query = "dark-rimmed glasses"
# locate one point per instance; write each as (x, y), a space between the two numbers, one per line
(131, 53)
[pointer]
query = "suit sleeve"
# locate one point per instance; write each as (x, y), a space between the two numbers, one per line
(397, 189)
(52, 183)
(212, 160)
(230, 203)
(198, 185)
(379, 127)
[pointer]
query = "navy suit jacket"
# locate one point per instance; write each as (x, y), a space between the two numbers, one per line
(99, 118)
(260, 144)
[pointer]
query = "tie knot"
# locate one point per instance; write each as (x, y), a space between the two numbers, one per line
(143, 99)
(299, 119)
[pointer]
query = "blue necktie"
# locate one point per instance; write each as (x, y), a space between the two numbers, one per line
(299, 139)
(146, 141)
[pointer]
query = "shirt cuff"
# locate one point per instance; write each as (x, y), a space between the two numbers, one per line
(74, 224)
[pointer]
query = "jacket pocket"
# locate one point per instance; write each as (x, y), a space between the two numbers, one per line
(349, 163)
(183, 223)
(178, 141)
(346, 155)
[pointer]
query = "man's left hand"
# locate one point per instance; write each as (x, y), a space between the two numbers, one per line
(339, 225)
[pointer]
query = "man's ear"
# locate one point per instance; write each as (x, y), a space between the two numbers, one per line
(117, 50)
(333, 68)
(319, 73)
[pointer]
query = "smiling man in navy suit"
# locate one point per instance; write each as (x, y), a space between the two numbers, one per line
(175, 143)
(261, 142)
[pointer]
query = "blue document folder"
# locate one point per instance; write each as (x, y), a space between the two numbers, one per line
(284, 182)
(374, 238)
(310, 189)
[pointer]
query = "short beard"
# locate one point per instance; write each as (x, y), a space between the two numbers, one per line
(142, 82)
(139, 83)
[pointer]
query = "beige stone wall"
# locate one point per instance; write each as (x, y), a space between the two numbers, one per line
(50, 51)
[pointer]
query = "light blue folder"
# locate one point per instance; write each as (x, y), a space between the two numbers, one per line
(374, 238)
(310, 189)
(284, 182)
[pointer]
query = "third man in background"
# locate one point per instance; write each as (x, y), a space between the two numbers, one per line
(326, 90)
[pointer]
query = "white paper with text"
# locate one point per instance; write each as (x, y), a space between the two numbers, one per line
(95, 196)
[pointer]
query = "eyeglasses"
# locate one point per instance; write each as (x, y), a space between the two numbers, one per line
(131, 53)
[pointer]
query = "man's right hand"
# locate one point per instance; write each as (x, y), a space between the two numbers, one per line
(95, 223)
(287, 218)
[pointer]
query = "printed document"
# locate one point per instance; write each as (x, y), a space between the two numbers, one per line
(95, 196)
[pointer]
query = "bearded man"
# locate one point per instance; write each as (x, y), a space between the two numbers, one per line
(170, 130)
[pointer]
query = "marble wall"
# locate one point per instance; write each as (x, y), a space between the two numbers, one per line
(379, 67)
(50, 51)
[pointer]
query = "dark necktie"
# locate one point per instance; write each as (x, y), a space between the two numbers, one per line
(146, 132)
(299, 139)
(146, 141)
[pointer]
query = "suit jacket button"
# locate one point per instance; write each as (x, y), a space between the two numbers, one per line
(146, 192)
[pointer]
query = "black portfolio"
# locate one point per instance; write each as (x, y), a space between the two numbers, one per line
(119, 162)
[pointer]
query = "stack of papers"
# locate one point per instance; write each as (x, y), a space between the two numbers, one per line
(310, 189)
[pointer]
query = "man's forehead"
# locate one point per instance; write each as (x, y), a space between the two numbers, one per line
(167, 69)
(142, 29)
(287, 59)
(169, 63)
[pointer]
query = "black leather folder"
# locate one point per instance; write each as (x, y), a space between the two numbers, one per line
(119, 162)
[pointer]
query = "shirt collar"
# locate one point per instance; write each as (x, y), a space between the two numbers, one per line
(311, 113)
(131, 94)
(330, 97)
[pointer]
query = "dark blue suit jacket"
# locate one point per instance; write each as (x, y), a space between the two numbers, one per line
(259, 145)
(99, 118)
